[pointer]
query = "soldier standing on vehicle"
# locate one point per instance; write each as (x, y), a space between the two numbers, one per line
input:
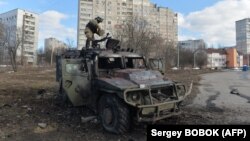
(92, 28)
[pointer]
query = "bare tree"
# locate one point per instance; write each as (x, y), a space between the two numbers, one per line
(1, 43)
(70, 43)
(1, 30)
(51, 52)
(12, 39)
(186, 57)
(201, 56)
(201, 59)
(169, 50)
(40, 56)
(47, 54)
(136, 34)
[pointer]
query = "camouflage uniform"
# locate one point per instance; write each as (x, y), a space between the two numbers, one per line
(91, 28)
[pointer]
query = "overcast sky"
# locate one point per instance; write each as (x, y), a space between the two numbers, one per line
(211, 20)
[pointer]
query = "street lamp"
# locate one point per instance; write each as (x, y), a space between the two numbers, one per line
(178, 56)
(194, 57)
(51, 57)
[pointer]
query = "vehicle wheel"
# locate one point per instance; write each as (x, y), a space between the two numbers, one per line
(114, 114)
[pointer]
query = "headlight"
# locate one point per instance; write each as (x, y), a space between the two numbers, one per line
(181, 90)
(135, 96)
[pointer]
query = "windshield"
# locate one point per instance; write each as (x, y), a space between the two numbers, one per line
(134, 62)
(110, 63)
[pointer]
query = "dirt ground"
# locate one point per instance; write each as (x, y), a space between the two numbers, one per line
(29, 110)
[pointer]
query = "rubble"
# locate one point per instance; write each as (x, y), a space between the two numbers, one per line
(87, 119)
(25, 106)
(6, 105)
(235, 91)
(50, 121)
(42, 125)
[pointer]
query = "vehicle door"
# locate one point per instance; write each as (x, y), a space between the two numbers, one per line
(77, 81)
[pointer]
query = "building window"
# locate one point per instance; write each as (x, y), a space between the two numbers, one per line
(124, 4)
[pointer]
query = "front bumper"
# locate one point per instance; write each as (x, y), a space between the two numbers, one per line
(157, 111)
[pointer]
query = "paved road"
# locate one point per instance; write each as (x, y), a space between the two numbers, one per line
(217, 101)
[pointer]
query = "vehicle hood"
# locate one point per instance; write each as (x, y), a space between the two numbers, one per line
(136, 78)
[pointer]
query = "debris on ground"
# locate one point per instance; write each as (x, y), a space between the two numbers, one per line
(88, 119)
(42, 125)
(6, 105)
(235, 91)
(29, 108)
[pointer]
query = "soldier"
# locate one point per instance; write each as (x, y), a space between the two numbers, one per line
(91, 28)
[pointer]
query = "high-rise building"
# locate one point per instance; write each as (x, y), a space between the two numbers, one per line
(52, 44)
(192, 45)
(24, 23)
(243, 35)
(116, 12)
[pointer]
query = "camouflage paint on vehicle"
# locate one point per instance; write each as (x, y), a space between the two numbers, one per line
(146, 90)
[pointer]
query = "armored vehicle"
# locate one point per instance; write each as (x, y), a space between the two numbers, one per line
(118, 85)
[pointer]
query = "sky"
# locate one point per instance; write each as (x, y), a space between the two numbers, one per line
(211, 20)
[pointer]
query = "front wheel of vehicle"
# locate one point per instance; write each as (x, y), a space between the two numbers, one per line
(114, 114)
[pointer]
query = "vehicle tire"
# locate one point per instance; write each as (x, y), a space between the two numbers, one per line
(114, 114)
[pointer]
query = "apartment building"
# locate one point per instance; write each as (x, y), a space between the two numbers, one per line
(24, 23)
(243, 35)
(193, 45)
(117, 12)
(55, 45)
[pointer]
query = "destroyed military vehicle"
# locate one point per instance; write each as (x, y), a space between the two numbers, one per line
(118, 85)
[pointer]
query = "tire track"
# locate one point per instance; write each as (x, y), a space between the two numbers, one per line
(209, 102)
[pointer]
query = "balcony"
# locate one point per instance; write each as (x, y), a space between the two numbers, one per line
(29, 23)
(29, 20)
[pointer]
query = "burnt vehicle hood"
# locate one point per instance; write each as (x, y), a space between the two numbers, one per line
(135, 78)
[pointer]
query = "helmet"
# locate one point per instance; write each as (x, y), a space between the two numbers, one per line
(99, 19)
